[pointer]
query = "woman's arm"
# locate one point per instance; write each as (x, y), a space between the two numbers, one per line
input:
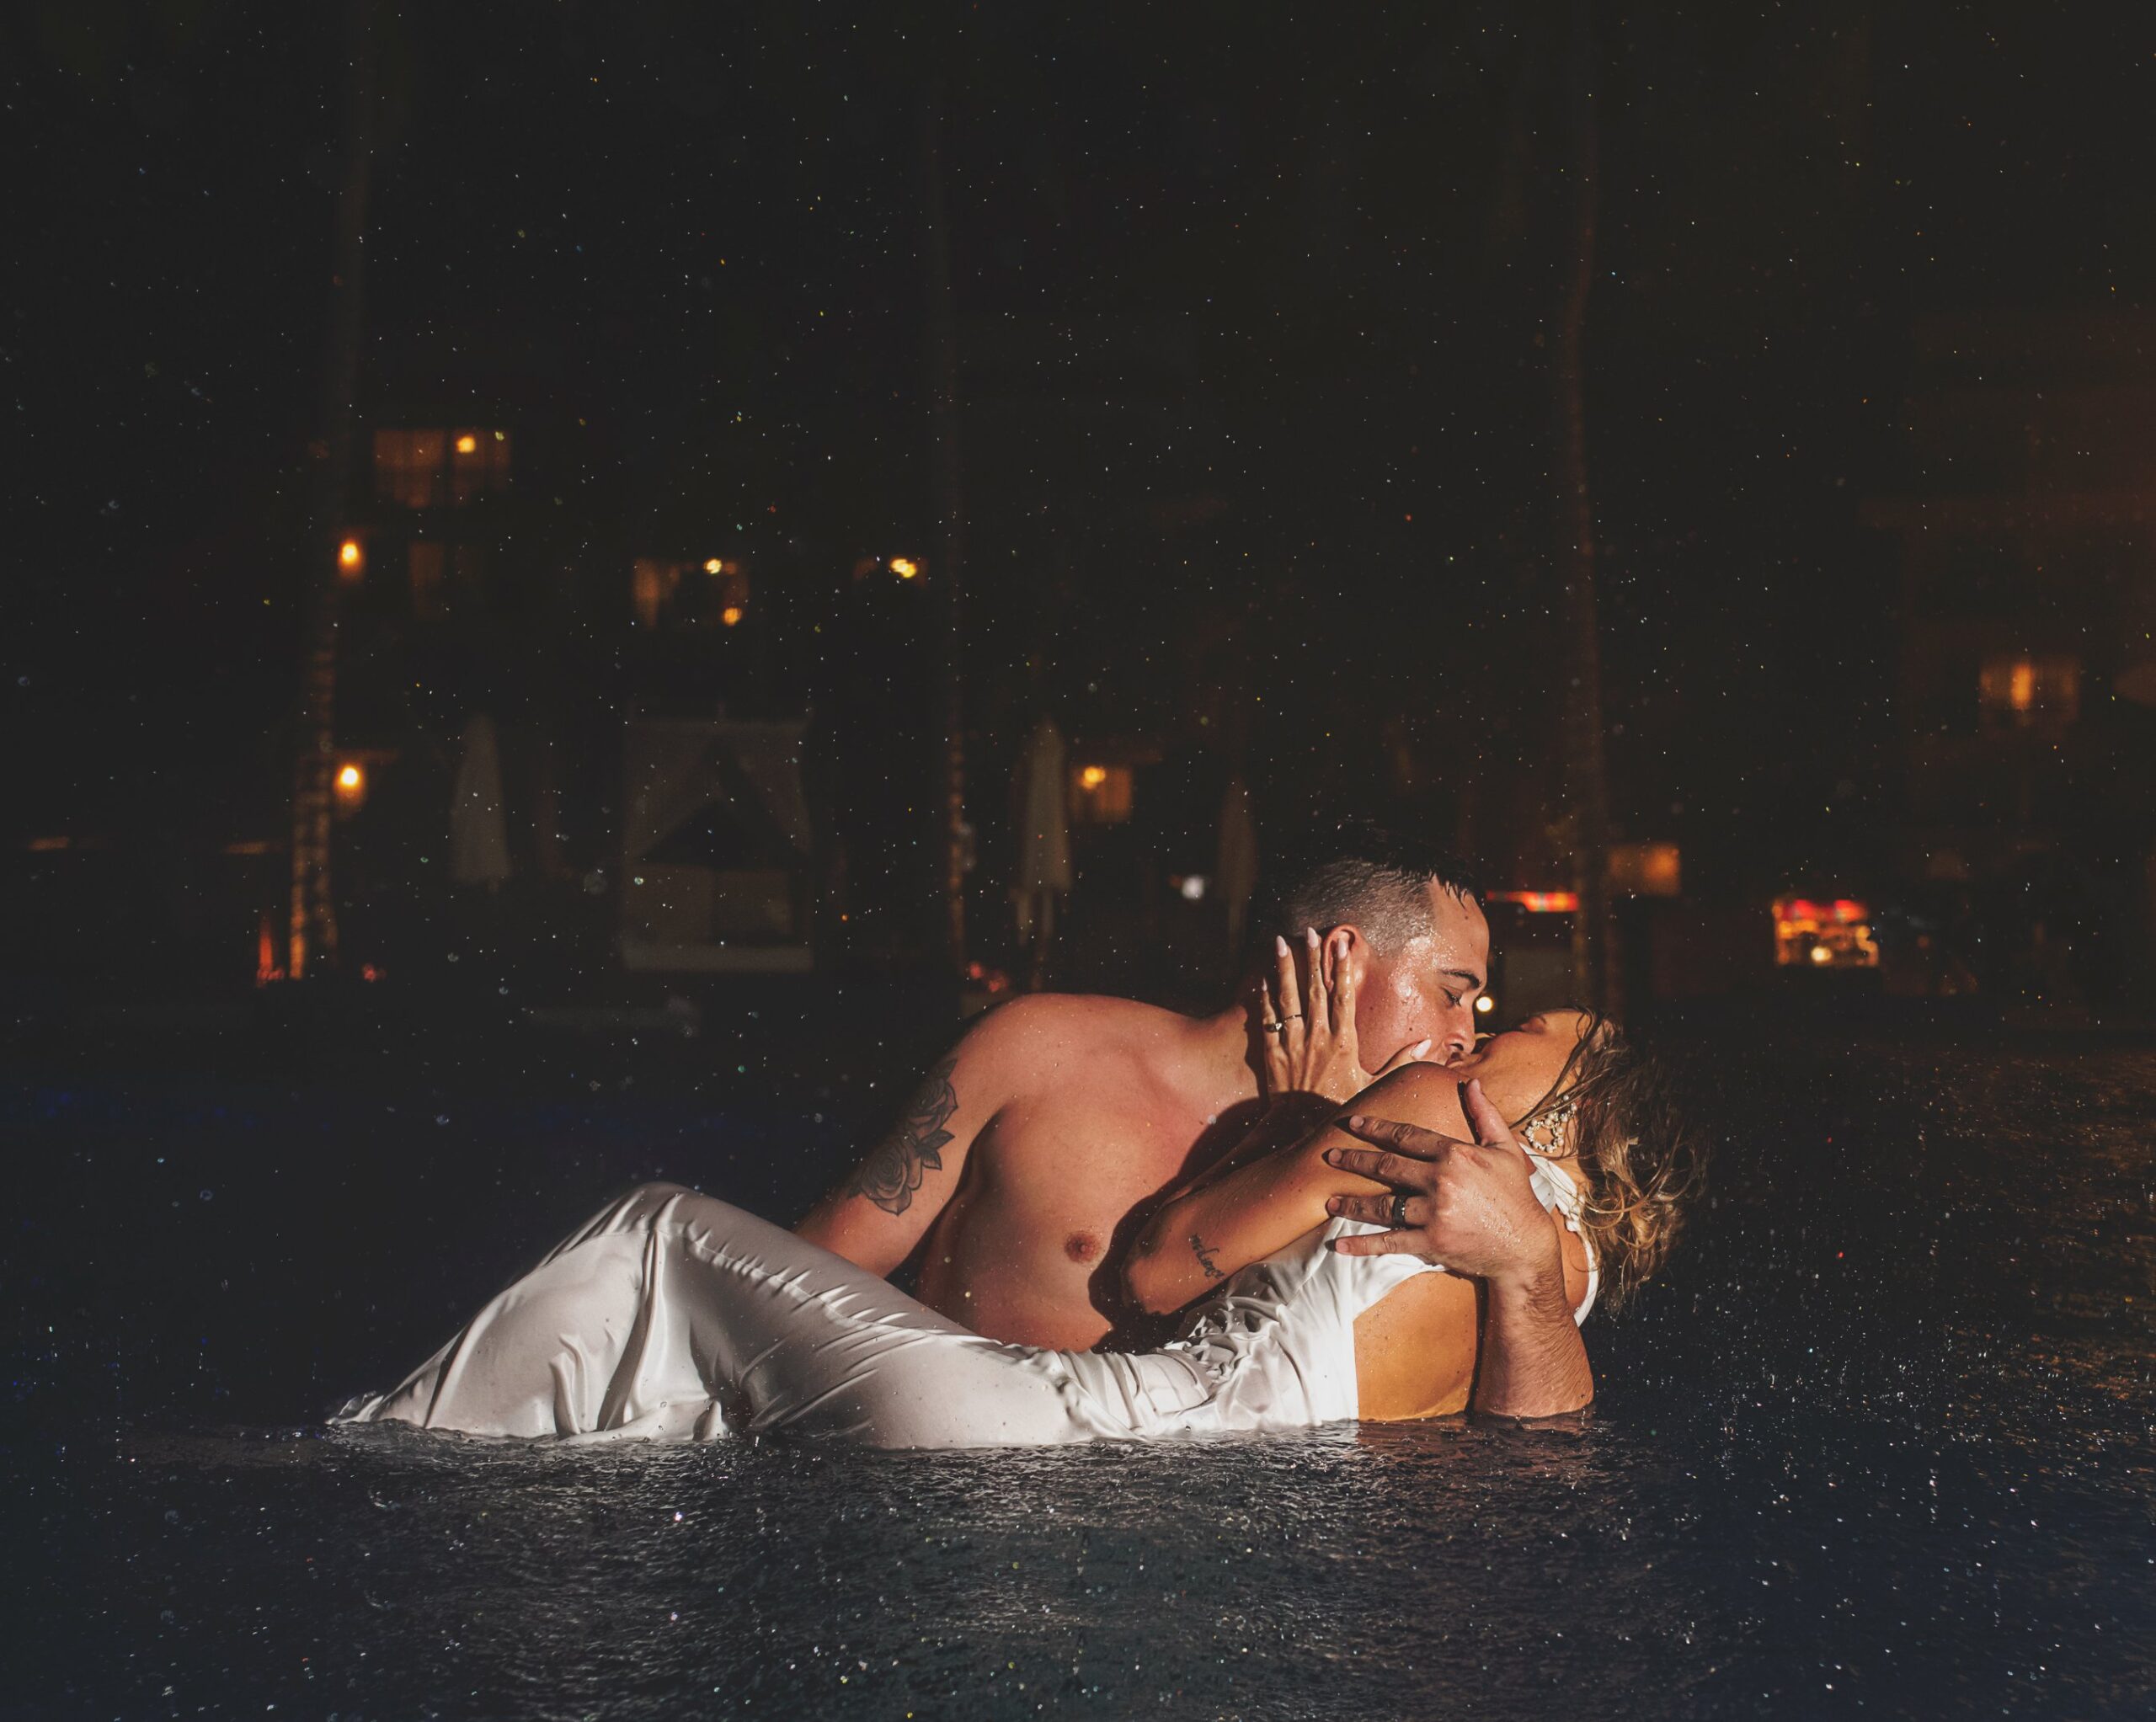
(1234, 1217)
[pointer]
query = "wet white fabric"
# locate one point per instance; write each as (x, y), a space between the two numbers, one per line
(1558, 1190)
(673, 1316)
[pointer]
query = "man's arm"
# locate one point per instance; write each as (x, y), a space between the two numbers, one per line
(1533, 1361)
(884, 1207)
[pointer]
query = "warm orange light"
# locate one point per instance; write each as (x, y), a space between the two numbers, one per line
(351, 785)
(1541, 902)
(714, 567)
(2021, 686)
(350, 557)
(1645, 869)
(904, 567)
(732, 615)
(1102, 794)
(265, 956)
(467, 444)
(1832, 934)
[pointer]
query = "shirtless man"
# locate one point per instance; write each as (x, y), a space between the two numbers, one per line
(1034, 1152)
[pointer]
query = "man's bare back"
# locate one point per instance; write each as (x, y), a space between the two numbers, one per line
(1032, 1153)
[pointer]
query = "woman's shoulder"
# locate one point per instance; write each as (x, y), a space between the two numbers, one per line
(1424, 1095)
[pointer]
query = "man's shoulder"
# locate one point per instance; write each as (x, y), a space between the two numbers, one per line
(1038, 1035)
(1044, 1018)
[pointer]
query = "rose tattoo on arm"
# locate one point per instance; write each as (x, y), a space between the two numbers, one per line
(894, 1167)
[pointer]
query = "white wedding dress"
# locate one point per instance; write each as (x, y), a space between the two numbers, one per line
(673, 1316)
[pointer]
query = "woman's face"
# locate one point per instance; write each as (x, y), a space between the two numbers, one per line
(1530, 1057)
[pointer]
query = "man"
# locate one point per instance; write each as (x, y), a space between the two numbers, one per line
(1032, 1152)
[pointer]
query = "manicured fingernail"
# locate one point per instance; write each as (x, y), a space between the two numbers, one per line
(1355, 1120)
(1422, 1047)
(1279, 945)
(1310, 934)
(1332, 1156)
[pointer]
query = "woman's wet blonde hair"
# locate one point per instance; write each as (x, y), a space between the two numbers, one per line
(1643, 1164)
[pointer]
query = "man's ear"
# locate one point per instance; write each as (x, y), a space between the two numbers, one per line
(1351, 948)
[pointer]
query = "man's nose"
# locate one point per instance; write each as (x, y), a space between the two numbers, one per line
(1457, 1039)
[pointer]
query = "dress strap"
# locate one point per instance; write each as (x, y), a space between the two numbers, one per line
(1558, 1191)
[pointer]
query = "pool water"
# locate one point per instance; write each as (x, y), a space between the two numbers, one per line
(1881, 1443)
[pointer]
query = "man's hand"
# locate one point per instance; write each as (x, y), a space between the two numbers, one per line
(1469, 1205)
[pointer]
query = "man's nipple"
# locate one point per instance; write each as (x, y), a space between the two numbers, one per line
(1082, 1246)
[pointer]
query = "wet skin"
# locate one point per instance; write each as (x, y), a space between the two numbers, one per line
(1069, 1118)
(1415, 1350)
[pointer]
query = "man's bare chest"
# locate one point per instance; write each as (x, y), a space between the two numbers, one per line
(1066, 1174)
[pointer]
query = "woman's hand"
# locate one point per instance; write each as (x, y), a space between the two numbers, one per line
(1307, 1023)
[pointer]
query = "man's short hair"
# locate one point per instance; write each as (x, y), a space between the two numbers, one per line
(1371, 877)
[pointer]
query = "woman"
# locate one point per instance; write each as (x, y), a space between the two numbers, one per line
(672, 1316)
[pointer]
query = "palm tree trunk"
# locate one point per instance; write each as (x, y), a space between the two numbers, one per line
(950, 522)
(1586, 786)
(313, 930)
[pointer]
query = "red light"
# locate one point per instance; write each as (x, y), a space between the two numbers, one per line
(1848, 910)
(1541, 902)
(266, 957)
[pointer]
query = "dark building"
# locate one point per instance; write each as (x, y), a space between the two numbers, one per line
(2026, 531)
(566, 736)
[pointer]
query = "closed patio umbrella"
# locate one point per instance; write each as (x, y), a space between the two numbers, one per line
(479, 826)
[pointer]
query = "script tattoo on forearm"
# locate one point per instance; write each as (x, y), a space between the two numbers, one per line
(1203, 1252)
(895, 1166)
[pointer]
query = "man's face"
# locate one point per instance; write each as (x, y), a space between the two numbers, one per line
(1426, 988)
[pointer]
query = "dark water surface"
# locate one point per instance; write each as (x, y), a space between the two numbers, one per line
(1882, 1443)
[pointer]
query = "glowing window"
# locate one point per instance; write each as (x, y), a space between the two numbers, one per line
(1832, 934)
(1101, 795)
(1645, 869)
(428, 468)
(710, 593)
(2031, 692)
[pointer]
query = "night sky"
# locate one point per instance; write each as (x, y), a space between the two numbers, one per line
(1252, 314)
